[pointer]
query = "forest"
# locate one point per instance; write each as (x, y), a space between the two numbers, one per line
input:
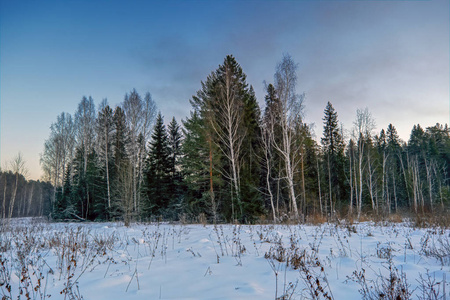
(230, 161)
(21, 197)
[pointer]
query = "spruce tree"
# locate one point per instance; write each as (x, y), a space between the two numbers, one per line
(251, 174)
(174, 144)
(157, 172)
(64, 203)
(104, 146)
(396, 189)
(333, 149)
(119, 188)
(199, 161)
(176, 178)
(79, 186)
(225, 107)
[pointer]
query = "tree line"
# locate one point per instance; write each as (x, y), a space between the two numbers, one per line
(228, 160)
(21, 197)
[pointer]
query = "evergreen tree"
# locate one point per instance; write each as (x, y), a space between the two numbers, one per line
(104, 146)
(395, 185)
(251, 174)
(200, 156)
(222, 106)
(97, 189)
(64, 201)
(79, 186)
(120, 186)
(176, 189)
(307, 187)
(333, 148)
(174, 144)
(157, 172)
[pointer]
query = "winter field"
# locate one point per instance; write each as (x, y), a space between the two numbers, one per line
(163, 261)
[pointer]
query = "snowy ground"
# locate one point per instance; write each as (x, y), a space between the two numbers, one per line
(161, 261)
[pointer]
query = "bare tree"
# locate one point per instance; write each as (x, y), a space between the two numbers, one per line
(140, 116)
(85, 121)
(413, 167)
(266, 138)
(105, 126)
(17, 166)
(148, 115)
(4, 197)
(125, 191)
(363, 127)
(58, 150)
(291, 109)
(351, 154)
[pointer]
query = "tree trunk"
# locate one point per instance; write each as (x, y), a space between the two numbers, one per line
(303, 181)
(320, 193)
(13, 196)
(430, 186)
(350, 208)
(30, 200)
(4, 200)
(107, 170)
(267, 156)
(329, 185)
(211, 187)
(360, 169)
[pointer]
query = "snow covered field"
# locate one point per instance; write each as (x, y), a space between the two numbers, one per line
(162, 261)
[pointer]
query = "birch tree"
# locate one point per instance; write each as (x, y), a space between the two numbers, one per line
(18, 168)
(267, 136)
(139, 114)
(363, 127)
(291, 108)
(228, 122)
(85, 120)
(58, 150)
(105, 130)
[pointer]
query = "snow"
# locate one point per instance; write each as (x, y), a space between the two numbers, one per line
(165, 261)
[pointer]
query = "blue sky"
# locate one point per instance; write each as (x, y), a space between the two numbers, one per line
(389, 56)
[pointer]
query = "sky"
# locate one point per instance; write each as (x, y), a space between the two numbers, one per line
(391, 57)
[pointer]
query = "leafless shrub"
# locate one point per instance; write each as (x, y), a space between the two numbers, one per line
(384, 251)
(311, 270)
(436, 245)
(430, 288)
(392, 287)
